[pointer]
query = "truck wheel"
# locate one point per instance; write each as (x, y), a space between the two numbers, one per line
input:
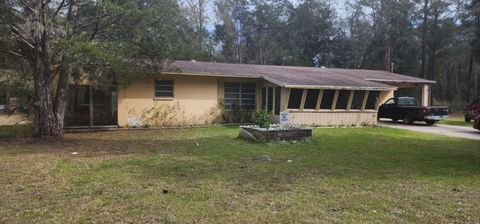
(467, 119)
(408, 120)
(430, 122)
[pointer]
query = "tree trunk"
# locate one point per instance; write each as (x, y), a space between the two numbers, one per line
(469, 76)
(424, 37)
(388, 45)
(44, 120)
(7, 97)
(476, 83)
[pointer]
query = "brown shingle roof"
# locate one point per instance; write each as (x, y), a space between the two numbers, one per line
(298, 77)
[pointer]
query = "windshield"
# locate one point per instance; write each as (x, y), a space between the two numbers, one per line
(407, 101)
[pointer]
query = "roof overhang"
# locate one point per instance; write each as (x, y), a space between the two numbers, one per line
(341, 87)
(422, 81)
(211, 74)
(282, 84)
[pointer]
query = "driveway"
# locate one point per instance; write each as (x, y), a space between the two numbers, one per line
(441, 129)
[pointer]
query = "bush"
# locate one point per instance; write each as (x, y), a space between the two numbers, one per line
(262, 119)
(235, 114)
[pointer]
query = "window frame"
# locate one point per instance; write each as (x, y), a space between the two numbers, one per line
(240, 94)
(352, 99)
(155, 96)
(331, 108)
(377, 102)
(336, 92)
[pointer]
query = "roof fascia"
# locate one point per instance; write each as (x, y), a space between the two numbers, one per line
(422, 81)
(340, 87)
(211, 74)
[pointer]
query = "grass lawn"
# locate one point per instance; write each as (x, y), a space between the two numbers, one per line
(208, 175)
(456, 119)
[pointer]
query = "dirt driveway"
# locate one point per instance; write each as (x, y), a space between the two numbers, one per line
(441, 129)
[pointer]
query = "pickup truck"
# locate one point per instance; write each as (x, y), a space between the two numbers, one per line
(472, 110)
(407, 109)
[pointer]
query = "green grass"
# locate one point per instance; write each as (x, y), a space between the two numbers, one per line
(459, 121)
(357, 175)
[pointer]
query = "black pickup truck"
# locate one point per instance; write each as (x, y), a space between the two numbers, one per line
(407, 109)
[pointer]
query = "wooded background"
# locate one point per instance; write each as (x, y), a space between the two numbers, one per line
(115, 39)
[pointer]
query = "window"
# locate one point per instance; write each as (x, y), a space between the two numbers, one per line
(342, 100)
(312, 98)
(327, 99)
(390, 101)
(357, 100)
(278, 98)
(164, 88)
(240, 96)
(264, 98)
(295, 98)
(270, 99)
(372, 100)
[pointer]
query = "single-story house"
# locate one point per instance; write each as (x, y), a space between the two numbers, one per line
(191, 92)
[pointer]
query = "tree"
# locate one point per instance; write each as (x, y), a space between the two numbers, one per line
(112, 40)
(310, 30)
(475, 12)
(194, 11)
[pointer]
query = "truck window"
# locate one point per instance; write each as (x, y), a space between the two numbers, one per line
(407, 101)
(390, 101)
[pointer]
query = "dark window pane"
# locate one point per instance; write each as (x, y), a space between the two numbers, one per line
(342, 100)
(232, 95)
(264, 99)
(357, 99)
(165, 82)
(240, 96)
(372, 100)
(295, 98)
(77, 112)
(327, 99)
(163, 88)
(163, 94)
(270, 99)
(232, 85)
(312, 98)
(248, 88)
(278, 98)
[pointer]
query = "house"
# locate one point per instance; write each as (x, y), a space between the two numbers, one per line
(190, 92)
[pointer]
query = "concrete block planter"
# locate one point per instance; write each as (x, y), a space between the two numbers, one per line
(275, 133)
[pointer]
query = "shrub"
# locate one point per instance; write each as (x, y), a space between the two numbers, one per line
(262, 119)
(235, 114)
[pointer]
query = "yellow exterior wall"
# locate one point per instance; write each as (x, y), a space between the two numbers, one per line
(195, 102)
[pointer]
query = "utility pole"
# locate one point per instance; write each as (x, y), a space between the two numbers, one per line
(388, 42)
